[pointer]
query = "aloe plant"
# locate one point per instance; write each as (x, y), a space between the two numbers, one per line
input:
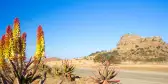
(13, 65)
(106, 75)
(65, 70)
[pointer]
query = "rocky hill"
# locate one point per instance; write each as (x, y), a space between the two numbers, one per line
(136, 48)
(130, 41)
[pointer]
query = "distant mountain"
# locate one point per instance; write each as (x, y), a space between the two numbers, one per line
(135, 48)
(51, 59)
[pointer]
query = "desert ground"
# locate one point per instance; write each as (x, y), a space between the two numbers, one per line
(128, 73)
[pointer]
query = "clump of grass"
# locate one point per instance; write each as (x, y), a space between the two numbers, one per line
(106, 75)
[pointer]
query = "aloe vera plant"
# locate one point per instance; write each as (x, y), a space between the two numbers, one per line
(65, 70)
(106, 75)
(13, 64)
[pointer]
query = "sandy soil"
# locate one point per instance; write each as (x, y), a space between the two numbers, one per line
(132, 77)
(91, 64)
(129, 73)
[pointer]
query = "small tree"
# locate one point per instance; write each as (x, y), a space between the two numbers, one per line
(112, 57)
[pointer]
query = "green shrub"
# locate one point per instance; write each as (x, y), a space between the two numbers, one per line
(112, 57)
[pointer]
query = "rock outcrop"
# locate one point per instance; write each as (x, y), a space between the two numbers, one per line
(137, 48)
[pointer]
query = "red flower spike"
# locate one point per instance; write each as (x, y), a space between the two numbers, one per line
(16, 29)
(39, 33)
(3, 40)
(16, 20)
(24, 35)
(39, 29)
(8, 31)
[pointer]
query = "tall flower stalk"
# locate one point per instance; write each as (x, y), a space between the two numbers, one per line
(13, 56)
(16, 36)
(2, 55)
(23, 50)
(40, 44)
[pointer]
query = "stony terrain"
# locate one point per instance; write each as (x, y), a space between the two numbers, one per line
(136, 48)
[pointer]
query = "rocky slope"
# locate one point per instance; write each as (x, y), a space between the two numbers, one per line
(136, 48)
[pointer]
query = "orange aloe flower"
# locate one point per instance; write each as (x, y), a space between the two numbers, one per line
(16, 28)
(8, 37)
(16, 36)
(40, 45)
(23, 41)
(2, 47)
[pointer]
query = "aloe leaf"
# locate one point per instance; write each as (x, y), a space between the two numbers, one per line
(109, 75)
(105, 72)
(15, 70)
(101, 75)
(36, 77)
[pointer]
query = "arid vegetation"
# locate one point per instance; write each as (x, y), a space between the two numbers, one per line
(15, 69)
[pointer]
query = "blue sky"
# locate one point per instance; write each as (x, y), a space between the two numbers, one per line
(75, 28)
